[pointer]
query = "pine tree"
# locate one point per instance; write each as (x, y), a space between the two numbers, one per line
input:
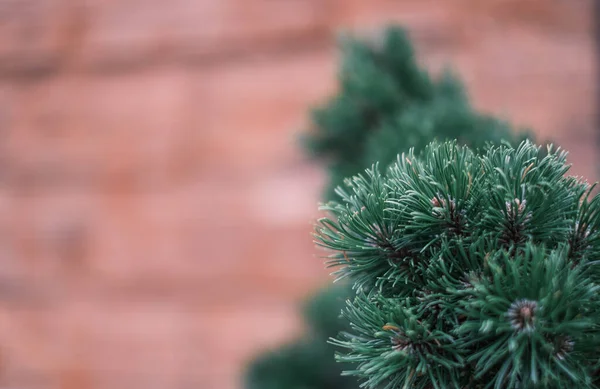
(307, 363)
(471, 270)
(385, 104)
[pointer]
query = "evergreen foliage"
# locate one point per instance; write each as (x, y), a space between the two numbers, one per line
(309, 362)
(471, 270)
(386, 104)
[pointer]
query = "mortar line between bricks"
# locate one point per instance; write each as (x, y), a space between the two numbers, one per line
(272, 50)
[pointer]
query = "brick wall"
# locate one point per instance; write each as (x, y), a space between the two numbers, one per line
(155, 210)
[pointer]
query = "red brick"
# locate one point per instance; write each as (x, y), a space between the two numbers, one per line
(527, 62)
(561, 17)
(32, 347)
(167, 239)
(131, 343)
(451, 20)
(429, 24)
(34, 35)
(253, 112)
(49, 241)
(88, 343)
(543, 84)
(78, 131)
(100, 344)
(155, 220)
(235, 334)
(127, 32)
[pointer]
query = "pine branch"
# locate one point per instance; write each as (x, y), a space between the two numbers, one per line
(474, 270)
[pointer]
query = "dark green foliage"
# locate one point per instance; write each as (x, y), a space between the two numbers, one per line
(322, 312)
(309, 362)
(387, 104)
(471, 271)
(301, 365)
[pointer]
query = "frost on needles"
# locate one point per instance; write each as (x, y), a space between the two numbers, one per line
(471, 270)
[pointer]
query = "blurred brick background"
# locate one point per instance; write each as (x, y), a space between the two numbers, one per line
(154, 208)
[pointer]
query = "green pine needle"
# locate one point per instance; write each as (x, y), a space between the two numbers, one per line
(472, 270)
